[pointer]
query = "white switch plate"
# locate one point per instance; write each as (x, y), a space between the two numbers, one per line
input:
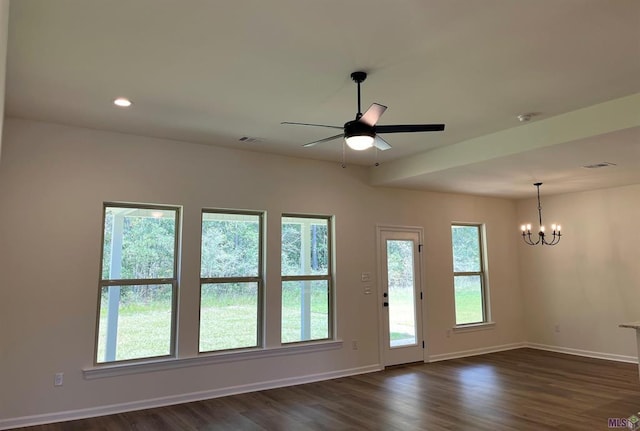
(58, 379)
(365, 276)
(367, 290)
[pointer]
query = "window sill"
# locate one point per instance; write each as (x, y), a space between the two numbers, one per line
(113, 370)
(474, 327)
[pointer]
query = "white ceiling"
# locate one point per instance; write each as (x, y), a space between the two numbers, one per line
(212, 72)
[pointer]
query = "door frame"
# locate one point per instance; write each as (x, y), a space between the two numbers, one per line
(380, 228)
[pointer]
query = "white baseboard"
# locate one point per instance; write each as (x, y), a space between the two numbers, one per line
(586, 353)
(475, 352)
(557, 349)
(272, 384)
(179, 399)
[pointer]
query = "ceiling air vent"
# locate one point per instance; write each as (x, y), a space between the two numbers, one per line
(250, 139)
(599, 165)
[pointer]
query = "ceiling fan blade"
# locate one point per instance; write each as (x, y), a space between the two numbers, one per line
(380, 143)
(309, 124)
(373, 114)
(404, 128)
(331, 138)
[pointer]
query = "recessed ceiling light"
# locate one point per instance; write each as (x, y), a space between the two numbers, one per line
(122, 102)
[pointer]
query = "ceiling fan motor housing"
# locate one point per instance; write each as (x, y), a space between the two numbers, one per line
(358, 128)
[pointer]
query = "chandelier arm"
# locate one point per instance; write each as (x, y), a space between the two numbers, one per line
(527, 239)
(555, 240)
(542, 239)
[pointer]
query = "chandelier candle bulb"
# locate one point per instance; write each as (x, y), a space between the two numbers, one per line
(553, 227)
(542, 229)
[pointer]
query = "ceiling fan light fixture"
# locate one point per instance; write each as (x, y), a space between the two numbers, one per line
(359, 142)
(122, 102)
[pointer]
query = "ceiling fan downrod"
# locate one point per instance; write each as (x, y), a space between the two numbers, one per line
(359, 77)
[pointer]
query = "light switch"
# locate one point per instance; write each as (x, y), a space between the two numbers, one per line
(366, 276)
(367, 289)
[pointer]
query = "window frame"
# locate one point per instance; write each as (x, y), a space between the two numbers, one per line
(329, 277)
(482, 273)
(124, 282)
(259, 279)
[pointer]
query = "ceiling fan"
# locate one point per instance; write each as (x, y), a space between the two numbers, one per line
(362, 133)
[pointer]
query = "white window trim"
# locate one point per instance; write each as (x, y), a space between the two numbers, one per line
(122, 369)
(472, 327)
(329, 277)
(486, 309)
(258, 279)
(132, 282)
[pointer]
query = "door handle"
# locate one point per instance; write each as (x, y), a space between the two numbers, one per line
(385, 294)
(385, 304)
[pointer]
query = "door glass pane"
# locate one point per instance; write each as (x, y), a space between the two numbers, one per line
(402, 319)
(468, 294)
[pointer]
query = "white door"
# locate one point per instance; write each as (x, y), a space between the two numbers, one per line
(401, 296)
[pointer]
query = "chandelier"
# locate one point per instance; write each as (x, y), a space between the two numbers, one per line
(542, 237)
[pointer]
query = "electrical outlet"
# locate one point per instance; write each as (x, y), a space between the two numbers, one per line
(557, 328)
(448, 333)
(58, 379)
(354, 344)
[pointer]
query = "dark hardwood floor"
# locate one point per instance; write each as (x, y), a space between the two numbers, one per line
(522, 390)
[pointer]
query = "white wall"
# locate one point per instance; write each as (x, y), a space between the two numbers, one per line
(4, 36)
(590, 282)
(53, 181)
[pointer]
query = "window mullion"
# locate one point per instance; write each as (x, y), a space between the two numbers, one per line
(305, 277)
(467, 273)
(137, 281)
(209, 280)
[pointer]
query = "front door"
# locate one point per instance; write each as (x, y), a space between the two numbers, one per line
(401, 296)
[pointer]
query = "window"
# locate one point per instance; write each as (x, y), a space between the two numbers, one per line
(306, 278)
(469, 278)
(138, 283)
(230, 280)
